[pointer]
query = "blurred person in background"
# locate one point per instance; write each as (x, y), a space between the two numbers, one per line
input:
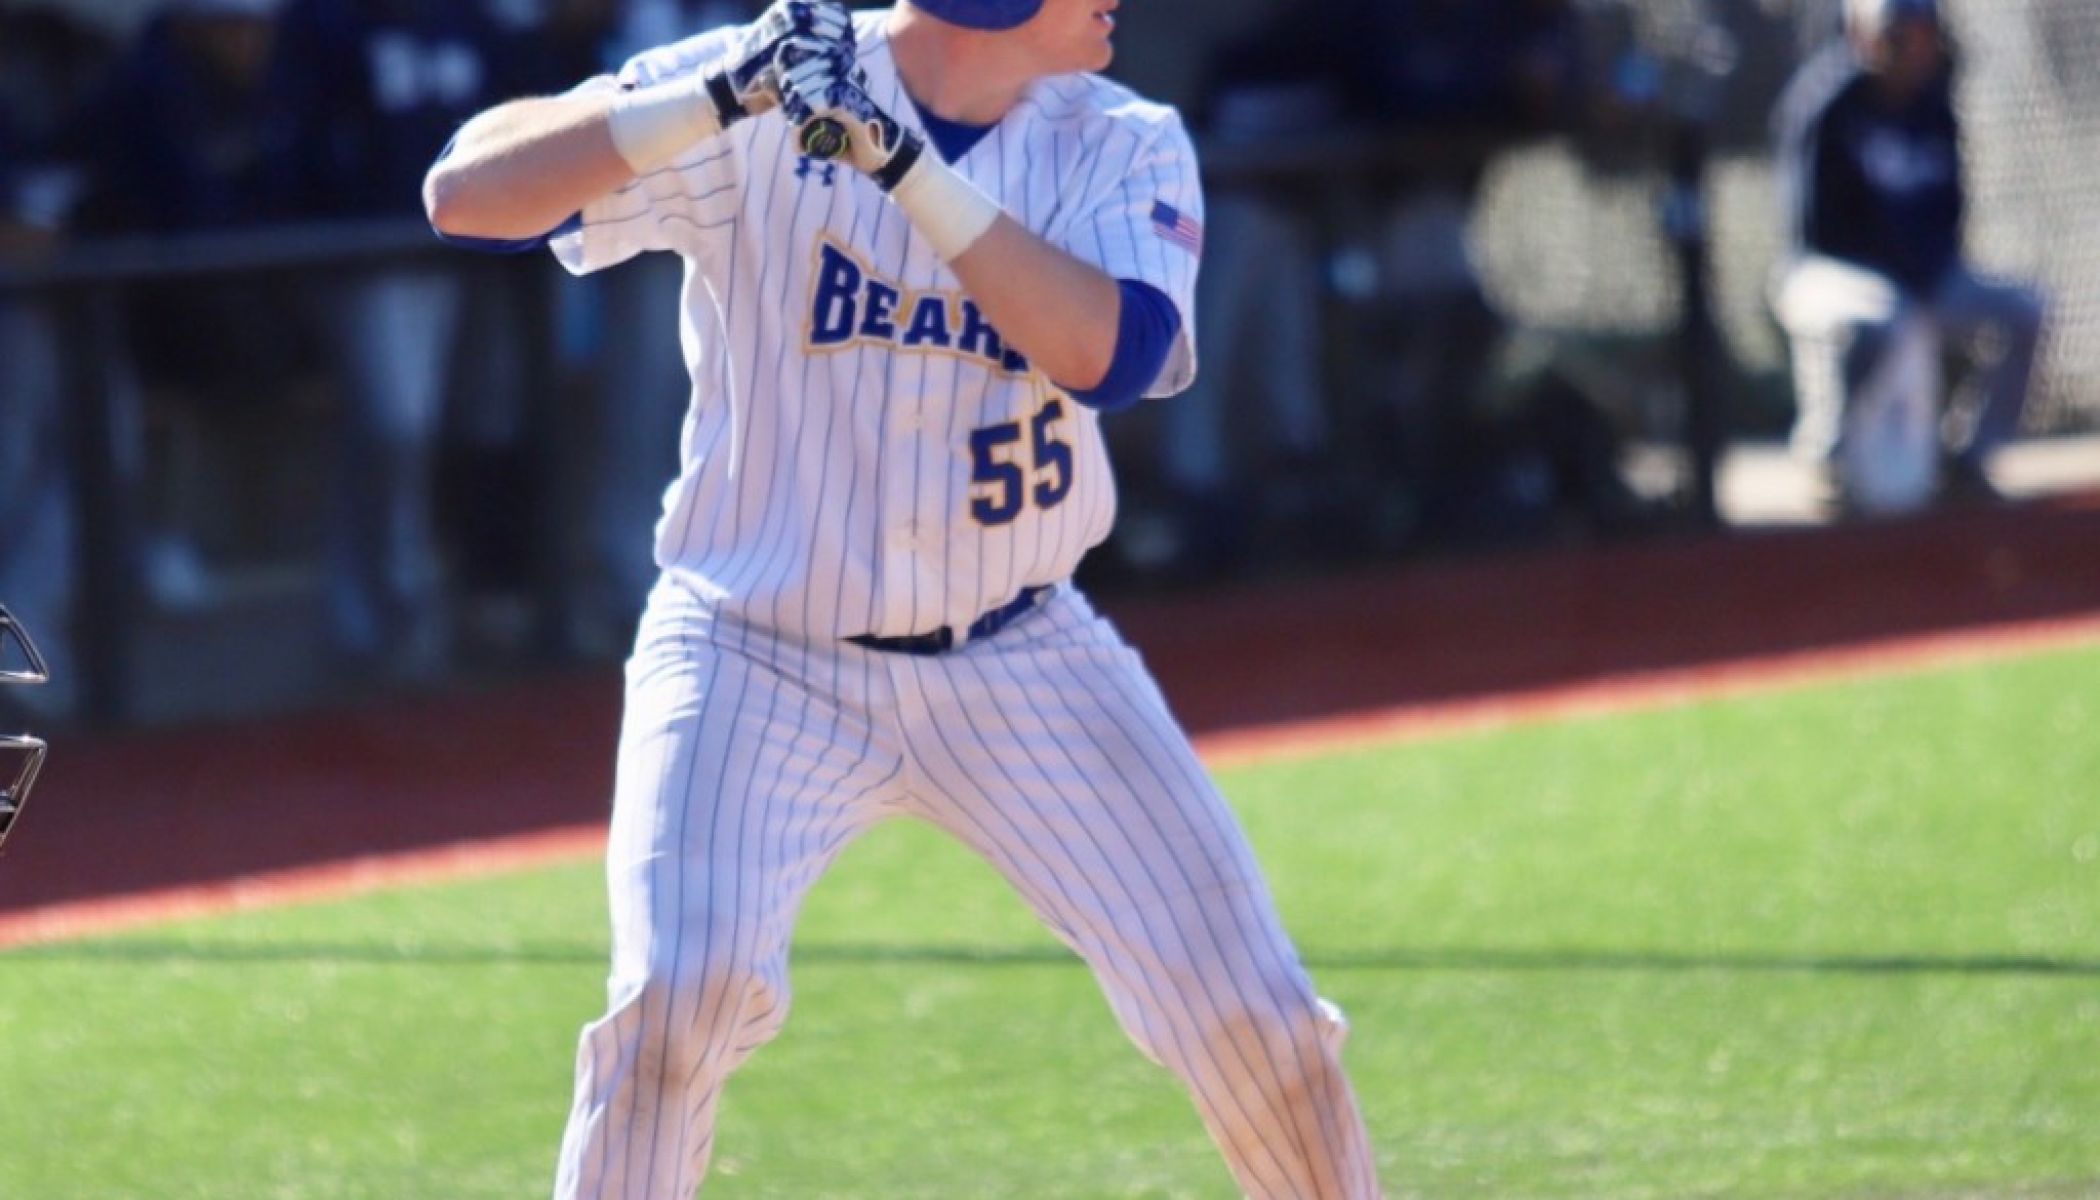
(50, 63)
(178, 130)
(1491, 75)
(537, 41)
(36, 504)
(1503, 65)
(1871, 174)
(621, 325)
(503, 502)
(643, 387)
(179, 147)
(47, 65)
(1488, 72)
(364, 95)
(1259, 301)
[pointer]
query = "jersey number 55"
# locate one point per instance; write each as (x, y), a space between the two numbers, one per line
(1009, 488)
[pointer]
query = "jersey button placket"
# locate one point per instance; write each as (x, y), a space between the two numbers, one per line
(900, 563)
(897, 514)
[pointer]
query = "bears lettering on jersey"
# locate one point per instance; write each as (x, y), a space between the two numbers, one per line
(851, 305)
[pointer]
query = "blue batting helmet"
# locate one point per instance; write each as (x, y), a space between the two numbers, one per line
(991, 15)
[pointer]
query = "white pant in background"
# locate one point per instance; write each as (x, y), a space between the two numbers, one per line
(1260, 305)
(394, 333)
(1843, 319)
(749, 760)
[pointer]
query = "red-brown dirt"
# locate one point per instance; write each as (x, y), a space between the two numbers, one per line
(1248, 670)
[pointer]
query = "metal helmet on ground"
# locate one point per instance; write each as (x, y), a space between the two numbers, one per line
(989, 15)
(21, 756)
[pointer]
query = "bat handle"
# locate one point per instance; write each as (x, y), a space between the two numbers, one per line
(825, 139)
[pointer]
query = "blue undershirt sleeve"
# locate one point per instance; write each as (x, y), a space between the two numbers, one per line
(1144, 337)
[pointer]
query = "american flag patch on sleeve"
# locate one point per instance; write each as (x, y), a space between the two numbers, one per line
(1177, 227)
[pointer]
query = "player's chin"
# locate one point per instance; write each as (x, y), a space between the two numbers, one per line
(1089, 60)
(1098, 53)
(1095, 48)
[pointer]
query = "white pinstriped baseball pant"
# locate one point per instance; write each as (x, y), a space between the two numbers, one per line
(749, 760)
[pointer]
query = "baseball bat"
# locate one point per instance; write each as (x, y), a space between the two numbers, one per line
(824, 138)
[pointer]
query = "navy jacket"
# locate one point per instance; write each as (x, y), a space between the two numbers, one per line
(1867, 183)
(1412, 62)
(366, 94)
(174, 149)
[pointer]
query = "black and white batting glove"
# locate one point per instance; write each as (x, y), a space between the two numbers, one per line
(750, 84)
(651, 126)
(824, 94)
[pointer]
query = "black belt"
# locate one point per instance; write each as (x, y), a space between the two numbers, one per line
(942, 640)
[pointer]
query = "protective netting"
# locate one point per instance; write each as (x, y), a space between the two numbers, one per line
(1566, 242)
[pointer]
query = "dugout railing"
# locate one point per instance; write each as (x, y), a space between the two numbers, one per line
(85, 285)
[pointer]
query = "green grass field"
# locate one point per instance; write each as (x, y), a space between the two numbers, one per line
(1842, 941)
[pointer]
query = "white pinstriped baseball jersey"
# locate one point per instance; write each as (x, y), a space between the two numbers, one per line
(863, 454)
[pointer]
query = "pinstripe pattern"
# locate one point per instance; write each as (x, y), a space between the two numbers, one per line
(1081, 161)
(825, 492)
(745, 767)
(1080, 777)
(750, 759)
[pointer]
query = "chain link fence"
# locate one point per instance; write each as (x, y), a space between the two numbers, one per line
(1568, 239)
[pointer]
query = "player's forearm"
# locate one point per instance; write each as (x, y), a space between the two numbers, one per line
(1062, 313)
(520, 170)
(523, 168)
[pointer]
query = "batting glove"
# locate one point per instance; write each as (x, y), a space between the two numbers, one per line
(651, 126)
(749, 73)
(825, 96)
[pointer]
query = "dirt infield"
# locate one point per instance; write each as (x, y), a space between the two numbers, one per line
(165, 824)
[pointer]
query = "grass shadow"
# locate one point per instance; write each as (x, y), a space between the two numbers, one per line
(1485, 959)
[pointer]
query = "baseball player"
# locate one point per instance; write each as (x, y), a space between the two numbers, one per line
(1870, 157)
(891, 466)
